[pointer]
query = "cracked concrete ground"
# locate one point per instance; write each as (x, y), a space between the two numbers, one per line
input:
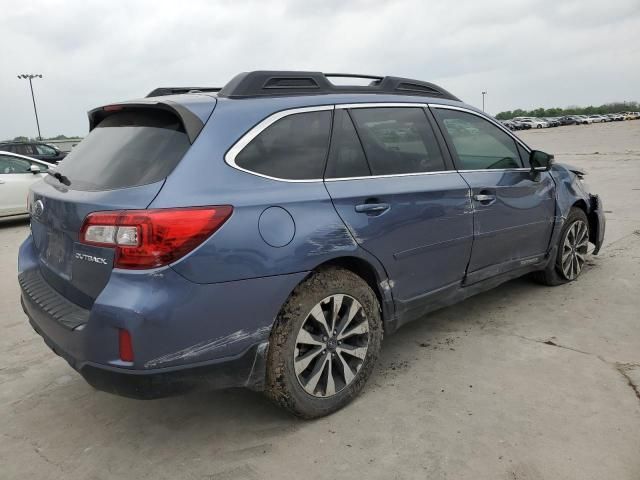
(521, 383)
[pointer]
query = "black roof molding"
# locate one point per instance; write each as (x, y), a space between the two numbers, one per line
(162, 91)
(266, 83)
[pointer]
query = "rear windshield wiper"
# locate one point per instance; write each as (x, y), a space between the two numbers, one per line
(60, 177)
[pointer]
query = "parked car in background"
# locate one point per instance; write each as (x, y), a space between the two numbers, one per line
(583, 119)
(552, 121)
(521, 126)
(535, 122)
(271, 234)
(17, 174)
(509, 124)
(37, 150)
(615, 117)
(597, 118)
(568, 120)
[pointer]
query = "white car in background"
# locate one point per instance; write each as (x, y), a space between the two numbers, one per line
(17, 174)
(597, 119)
(535, 122)
(584, 119)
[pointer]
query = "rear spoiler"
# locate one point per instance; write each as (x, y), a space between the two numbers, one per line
(192, 122)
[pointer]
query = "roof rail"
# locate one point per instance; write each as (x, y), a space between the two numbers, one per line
(276, 83)
(162, 91)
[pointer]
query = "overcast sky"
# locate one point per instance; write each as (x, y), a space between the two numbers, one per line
(523, 53)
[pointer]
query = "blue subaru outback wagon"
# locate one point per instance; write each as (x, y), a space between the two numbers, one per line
(268, 233)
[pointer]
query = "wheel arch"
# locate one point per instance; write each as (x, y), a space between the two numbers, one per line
(582, 205)
(592, 218)
(374, 276)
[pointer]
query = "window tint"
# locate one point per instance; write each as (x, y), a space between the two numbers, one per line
(126, 149)
(478, 143)
(45, 150)
(294, 147)
(22, 149)
(397, 140)
(524, 156)
(346, 157)
(13, 165)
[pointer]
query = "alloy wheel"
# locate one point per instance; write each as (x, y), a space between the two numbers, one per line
(574, 249)
(331, 345)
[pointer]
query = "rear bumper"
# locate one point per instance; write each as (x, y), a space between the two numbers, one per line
(186, 336)
(243, 370)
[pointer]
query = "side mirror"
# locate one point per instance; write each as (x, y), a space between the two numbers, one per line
(540, 161)
(34, 169)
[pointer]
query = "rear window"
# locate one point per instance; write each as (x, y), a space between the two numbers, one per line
(126, 149)
(293, 148)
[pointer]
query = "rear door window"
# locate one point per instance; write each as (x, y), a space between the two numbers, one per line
(23, 150)
(126, 149)
(397, 140)
(293, 148)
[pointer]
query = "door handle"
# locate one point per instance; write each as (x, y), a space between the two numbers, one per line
(373, 208)
(484, 198)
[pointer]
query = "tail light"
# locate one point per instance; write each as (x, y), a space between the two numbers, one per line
(152, 238)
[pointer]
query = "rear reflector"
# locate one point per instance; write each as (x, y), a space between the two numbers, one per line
(125, 345)
(152, 238)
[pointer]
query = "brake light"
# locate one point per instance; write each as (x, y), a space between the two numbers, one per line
(152, 238)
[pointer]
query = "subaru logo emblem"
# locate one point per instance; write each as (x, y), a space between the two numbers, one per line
(37, 209)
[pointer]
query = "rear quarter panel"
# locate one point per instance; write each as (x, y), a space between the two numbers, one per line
(238, 250)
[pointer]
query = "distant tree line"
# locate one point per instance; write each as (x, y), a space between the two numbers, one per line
(571, 110)
(31, 139)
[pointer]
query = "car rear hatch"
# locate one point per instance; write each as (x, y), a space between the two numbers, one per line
(121, 165)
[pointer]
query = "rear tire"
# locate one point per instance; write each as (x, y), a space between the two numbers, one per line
(324, 344)
(571, 251)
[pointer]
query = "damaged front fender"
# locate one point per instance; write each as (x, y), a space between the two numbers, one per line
(573, 192)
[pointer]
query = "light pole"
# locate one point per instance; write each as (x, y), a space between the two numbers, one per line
(30, 77)
(483, 94)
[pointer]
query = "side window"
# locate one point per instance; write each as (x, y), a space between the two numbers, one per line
(346, 157)
(4, 165)
(13, 165)
(397, 140)
(45, 150)
(477, 142)
(293, 148)
(23, 150)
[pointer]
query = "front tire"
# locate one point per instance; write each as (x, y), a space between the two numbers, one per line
(324, 344)
(571, 251)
